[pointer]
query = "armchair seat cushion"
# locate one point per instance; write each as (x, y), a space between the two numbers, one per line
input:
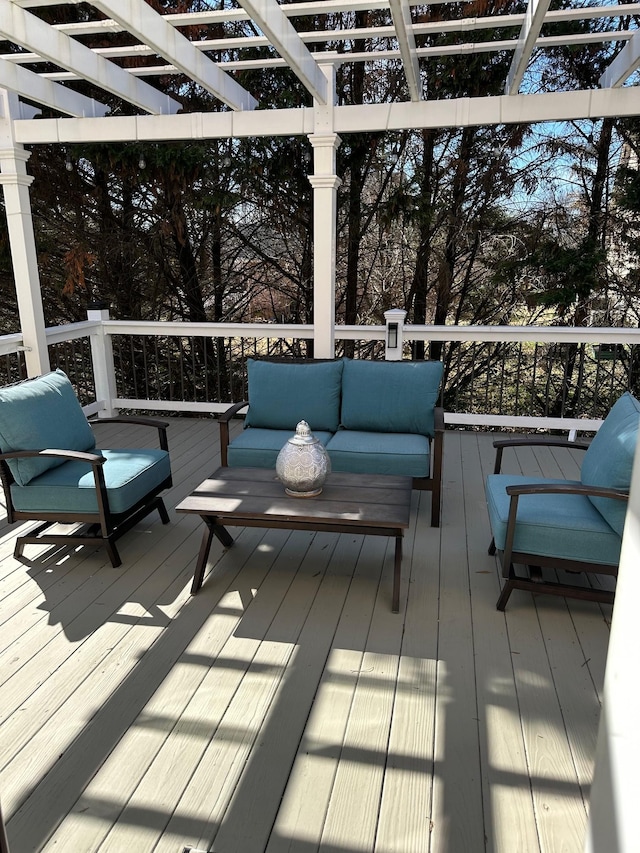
(259, 448)
(130, 475)
(379, 453)
(557, 526)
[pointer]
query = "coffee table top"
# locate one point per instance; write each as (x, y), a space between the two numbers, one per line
(367, 500)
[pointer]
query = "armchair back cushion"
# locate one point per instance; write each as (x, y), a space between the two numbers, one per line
(282, 394)
(390, 396)
(609, 459)
(38, 414)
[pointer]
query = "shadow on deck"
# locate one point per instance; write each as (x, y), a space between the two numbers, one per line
(285, 707)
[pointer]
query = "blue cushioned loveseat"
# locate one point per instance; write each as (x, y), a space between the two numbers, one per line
(565, 524)
(52, 472)
(373, 417)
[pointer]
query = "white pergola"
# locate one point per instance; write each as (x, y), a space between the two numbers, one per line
(159, 47)
(45, 107)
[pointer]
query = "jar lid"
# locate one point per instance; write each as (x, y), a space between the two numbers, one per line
(303, 435)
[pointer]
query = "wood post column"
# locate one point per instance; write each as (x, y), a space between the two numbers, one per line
(325, 183)
(15, 185)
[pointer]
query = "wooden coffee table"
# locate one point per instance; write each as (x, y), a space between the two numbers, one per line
(376, 505)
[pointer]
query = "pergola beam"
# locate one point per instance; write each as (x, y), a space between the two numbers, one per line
(534, 19)
(25, 83)
(623, 66)
(401, 14)
(270, 19)
(152, 29)
(31, 33)
(488, 111)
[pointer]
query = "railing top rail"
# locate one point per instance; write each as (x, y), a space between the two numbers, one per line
(10, 344)
(70, 332)
(543, 334)
(226, 330)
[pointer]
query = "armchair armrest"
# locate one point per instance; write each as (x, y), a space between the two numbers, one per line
(223, 421)
(533, 441)
(161, 426)
(567, 489)
(516, 491)
(71, 455)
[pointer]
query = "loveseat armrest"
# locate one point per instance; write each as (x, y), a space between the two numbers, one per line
(223, 421)
(533, 441)
(161, 426)
(438, 449)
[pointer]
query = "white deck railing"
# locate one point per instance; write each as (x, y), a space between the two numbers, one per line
(101, 335)
(105, 334)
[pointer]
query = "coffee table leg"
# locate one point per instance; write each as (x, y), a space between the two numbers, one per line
(211, 528)
(395, 604)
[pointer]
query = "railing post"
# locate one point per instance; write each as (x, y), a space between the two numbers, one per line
(395, 334)
(104, 374)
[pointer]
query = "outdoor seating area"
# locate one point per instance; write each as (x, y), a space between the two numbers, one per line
(285, 706)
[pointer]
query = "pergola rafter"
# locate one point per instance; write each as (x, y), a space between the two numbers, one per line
(534, 19)
(38, 88)
(623, 66)
(139, 19)
(268, 17)
(31, 33)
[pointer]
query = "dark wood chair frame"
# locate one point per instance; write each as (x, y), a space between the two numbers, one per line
(99, 528)
(534, 581)
(431, 484)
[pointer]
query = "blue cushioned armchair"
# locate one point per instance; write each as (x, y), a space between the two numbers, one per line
(565, 524)
(52, 471)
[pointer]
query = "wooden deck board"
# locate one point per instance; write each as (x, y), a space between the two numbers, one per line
(285, 708)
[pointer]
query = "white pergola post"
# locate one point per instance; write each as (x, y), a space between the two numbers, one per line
(325, 183)
(614, 825)
(15, 185)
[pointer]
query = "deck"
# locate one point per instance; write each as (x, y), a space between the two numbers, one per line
(285, 707)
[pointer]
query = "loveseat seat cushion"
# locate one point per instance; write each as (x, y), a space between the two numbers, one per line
(564, 526)
(609, 459)
(281, 394)
(367, 452)
(259, 448)
(390, 396)
(40, 414)
(129, 477)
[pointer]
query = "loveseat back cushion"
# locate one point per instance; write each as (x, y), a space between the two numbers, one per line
(551, 525)
(259, 448)
(390, 396)
(609, 459)
(40, 414)
(281, 394)
(130, 475)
